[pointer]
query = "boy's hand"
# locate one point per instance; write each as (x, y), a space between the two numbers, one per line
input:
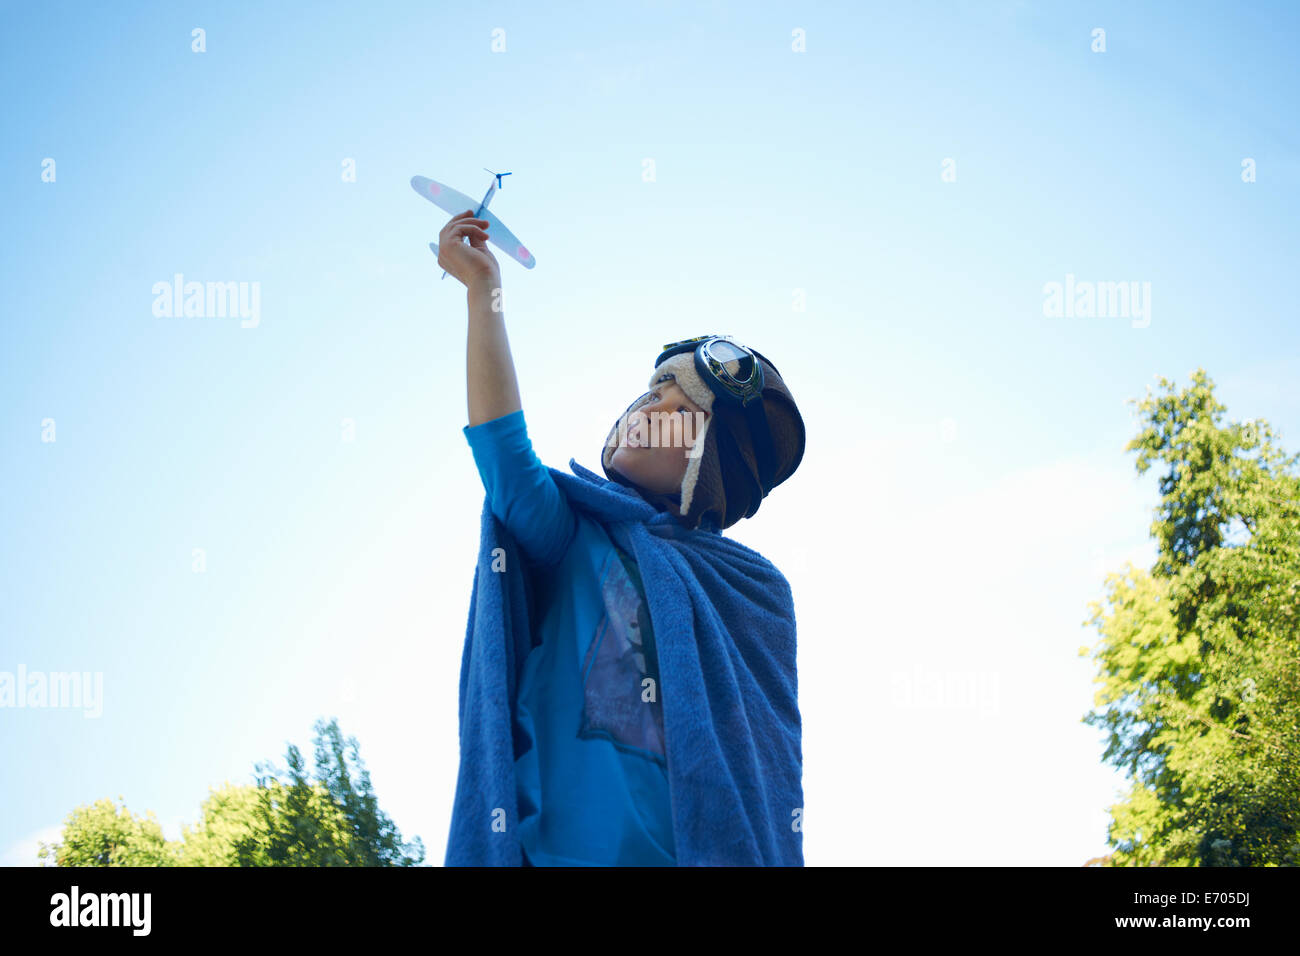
(472, 264)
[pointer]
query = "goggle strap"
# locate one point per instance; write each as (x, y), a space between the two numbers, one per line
(764, 450)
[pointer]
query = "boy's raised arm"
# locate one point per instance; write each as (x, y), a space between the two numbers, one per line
(489, 368)
(492, 388)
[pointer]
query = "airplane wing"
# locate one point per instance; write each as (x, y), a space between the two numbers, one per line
(454, 201)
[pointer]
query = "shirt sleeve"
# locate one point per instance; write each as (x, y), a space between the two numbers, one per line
(520, 489)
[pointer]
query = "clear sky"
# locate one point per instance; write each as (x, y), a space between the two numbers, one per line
(879, 213)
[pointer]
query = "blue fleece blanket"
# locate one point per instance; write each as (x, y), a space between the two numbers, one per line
(724, 627)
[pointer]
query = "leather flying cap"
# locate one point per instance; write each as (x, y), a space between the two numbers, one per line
(722, 483)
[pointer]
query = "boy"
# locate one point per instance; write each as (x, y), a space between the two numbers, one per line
(628, 694)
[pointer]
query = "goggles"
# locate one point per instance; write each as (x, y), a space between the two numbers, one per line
(742, 389)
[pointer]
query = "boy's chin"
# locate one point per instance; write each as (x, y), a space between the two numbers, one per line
(625, 464)
(621, 464)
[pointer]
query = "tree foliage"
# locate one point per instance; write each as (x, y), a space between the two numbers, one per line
(1199, 658)
(103, 834)
(286, 819)
(334, 821)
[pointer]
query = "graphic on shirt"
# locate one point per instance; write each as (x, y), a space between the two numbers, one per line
(621, 656)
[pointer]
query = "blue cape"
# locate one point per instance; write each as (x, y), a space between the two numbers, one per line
(724, 627)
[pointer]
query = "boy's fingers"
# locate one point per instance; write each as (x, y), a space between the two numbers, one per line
(463, 224)
(465, 229)
(460, 220)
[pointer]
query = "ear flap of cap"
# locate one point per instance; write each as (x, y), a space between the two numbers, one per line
(680, 368)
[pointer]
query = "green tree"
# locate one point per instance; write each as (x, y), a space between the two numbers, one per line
(228, 814)
(297, 821)
(335, 821)
(375, 838)
(267, 825)
(1199, 658)
(103, 834)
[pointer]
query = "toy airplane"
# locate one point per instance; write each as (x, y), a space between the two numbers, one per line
(457, 202)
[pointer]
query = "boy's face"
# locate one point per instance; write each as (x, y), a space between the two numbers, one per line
(655, 440)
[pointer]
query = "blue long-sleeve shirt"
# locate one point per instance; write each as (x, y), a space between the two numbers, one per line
(591, 771)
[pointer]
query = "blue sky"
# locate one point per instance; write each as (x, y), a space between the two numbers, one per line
(964, 488)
